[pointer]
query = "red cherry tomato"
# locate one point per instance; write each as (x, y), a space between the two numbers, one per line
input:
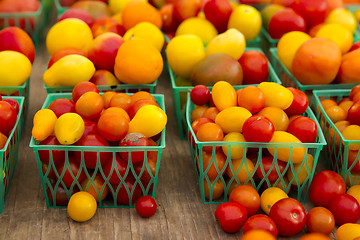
(8, 117)
(289, 216)
(355, 89)
(325, 186)
(299, 104)
(255, 67)
(14, 103)
(260, 221)
(353, 115)
(231, 216)
(200, 95)
(258, 128)
(269, 169)
(82, 88)
(146, 206)
(320, 220)
(72, 168)
(345, 208)
(61, 106)
(58, 156)
(304, 128)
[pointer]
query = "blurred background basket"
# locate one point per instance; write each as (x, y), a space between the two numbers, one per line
(250, 163)
(143, 177)
(9, 154)
(180, 91)
(60, 9)
(288, 80)
(339, 155)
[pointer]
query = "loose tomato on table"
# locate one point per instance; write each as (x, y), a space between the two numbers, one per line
(320, 220)
(345, 208)
(260, 221)
(270, 196)
(246, 196)
(231, 216)
(289, 216)
(146, 206)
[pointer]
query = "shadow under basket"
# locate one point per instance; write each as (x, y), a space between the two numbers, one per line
(341, 155)
(244, 165)
(9, 154)
(118, 183)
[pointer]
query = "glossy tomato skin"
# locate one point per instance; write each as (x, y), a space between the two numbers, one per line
(267, 163)
(325, 186)
(14, 103)
(82, 88)
(258, 128)
(8, 117)
(200, 121)
(61, 106)
(304, 128)
(200, 95)
(353, 115)
(289, 216)
(247, 196)
(218, 13)
(90, 127)
(231, 216)
(260, 221)
(345, 208)
(255, 67)
(146, 206)
(320, 220)
(299, 104)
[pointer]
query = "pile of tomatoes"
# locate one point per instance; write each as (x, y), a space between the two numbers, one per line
(114, 154)
(286, 216)
(345, 115)
(265, 129)
(9, 109)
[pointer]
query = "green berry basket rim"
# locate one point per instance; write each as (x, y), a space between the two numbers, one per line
(20, 100)
(332, 93)
(35, 144)
(319, 144)
(303, 87)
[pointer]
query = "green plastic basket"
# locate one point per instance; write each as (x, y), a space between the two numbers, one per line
(9, 154)
(127, 88)
(254, 153)
(60, 9)
(337, 151)
(353, 8)
(22, 91)
(144, 176)
(179, 93)
(289, 80)
(32, 22)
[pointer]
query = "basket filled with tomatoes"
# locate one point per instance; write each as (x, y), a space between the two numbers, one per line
(241, 68)
(108, 145)
(11, 124)
(264, 136)
(95, 47)
(17, 54)
(338, 115)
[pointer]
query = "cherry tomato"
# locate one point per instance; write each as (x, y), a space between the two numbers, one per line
(14, 103)
(72, 168)
(353, 115)
(251, 98)
(61, 106)
(320, 220)
(122, 195)
(345, 208)
(299, 104)
(260, 221)
(255, 67)
(289, 216)
(215, 163)
(211, 113)
(146, 206)
(209, 132)
(217, 189)
(117, 168)
(8, 117)
(198, 122)
(270, 196)
(258, 128)
(352, 157)
(269, 169)
(354, 90)
(198, 112)
(277, 116)
(112, 126)
(325, 186)
(200, 95)
(57, 155)
(246, 196)
(82, 88)
(231, 216)
(95, 187)
(304, 128)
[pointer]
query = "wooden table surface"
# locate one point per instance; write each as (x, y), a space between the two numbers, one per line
(180, 214)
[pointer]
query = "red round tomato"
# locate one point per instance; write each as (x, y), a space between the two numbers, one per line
(314, 12)
(13, 102)
(346, 209)
(74, 167)
(258, 128)
(231, 216)
(8, 117)
(255, 67)
(61, 106)
(353, 115)
(269, 169)
(146, 206)
(304, 128)
(90, 158)
(320, 220)
(113, 170)
(90, 127)
(82, 88)
(299, 104)
(218, 13)
(198, 122)
(260, 221)
(325, 186)
(200, 95)
(58, 156)
(289, 216)
(247, 196)
(135, 140)
(122, 195)
(355, 89)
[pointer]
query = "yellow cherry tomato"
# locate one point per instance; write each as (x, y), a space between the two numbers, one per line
(82, 206)
(224, 95)
(43, 124)
(276, 95)
(235, 152)
(269, 197)
(69, 128)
